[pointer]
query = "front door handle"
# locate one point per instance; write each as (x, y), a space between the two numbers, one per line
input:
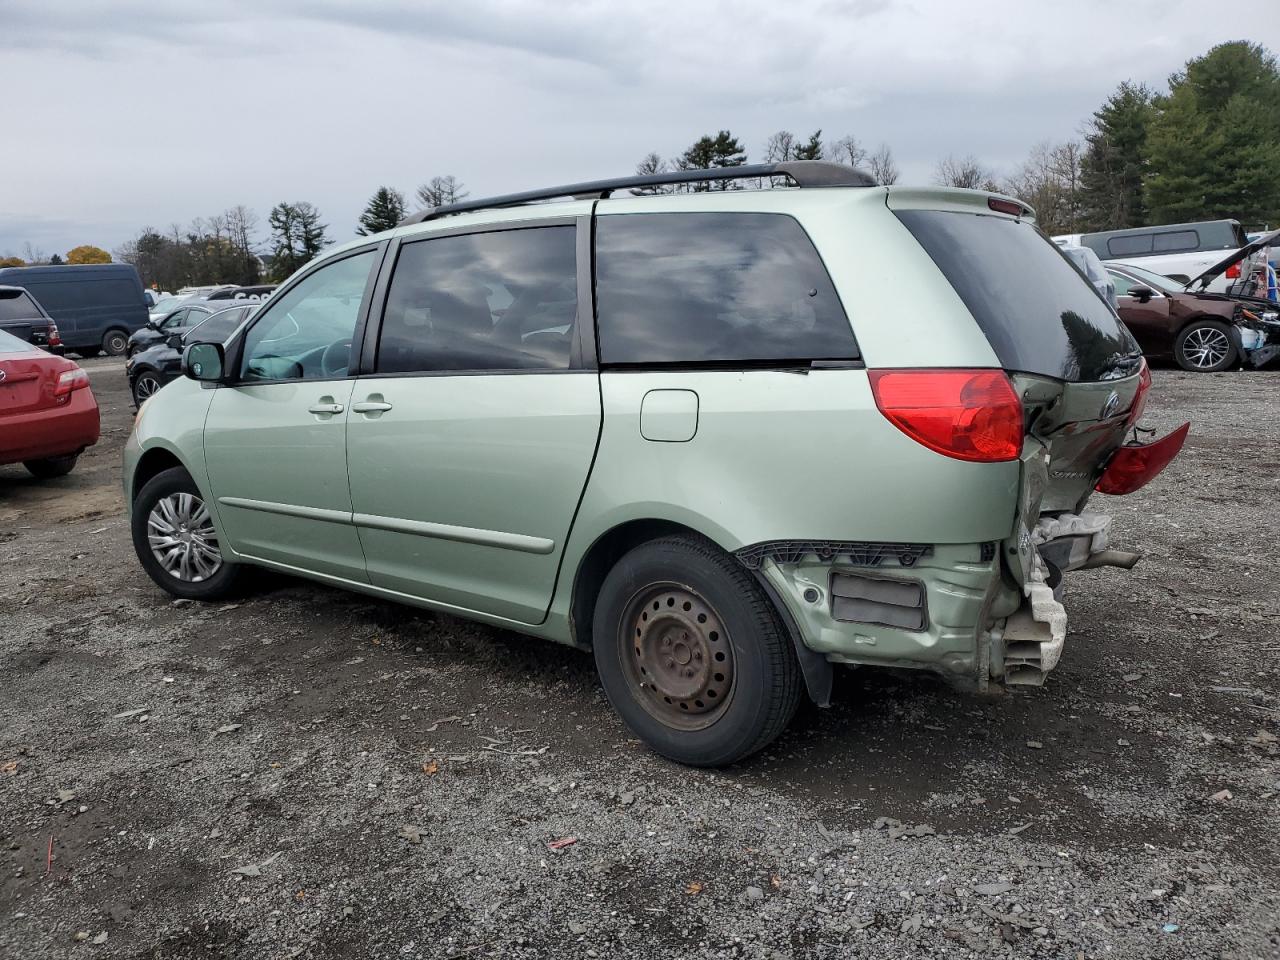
(320, 409)
(371, 406)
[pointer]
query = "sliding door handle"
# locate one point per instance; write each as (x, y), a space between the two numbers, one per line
(371, 406)
(322, 408)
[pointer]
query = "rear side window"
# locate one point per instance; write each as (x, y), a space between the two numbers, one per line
(1176, 240)
(1129, 246)
(17, 307)
(1039, 314)
(714, 287)
(506, 300)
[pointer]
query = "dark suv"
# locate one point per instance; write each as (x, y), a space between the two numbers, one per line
(22, 316)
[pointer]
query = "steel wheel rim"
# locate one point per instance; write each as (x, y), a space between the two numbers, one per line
(1206, 347)
(677, 655)
(145, 386)
(117, 343)
(182, 539)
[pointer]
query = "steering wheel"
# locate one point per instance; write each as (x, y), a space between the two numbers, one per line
(336, 359)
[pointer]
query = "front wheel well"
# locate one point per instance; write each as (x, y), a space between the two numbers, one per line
(153, 463)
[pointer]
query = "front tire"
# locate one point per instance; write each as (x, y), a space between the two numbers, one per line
(144, 386)
(174, 537)
(1205, 346)
(114, 343)
(691, 653)
(51, 467)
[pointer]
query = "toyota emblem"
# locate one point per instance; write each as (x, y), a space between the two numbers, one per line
(1110, 405)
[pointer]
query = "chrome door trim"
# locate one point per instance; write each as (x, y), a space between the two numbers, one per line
(288, 509)
(445, 531)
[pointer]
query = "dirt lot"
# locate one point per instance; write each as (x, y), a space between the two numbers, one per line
(313, 774)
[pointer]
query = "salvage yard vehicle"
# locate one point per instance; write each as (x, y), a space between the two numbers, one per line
(177, 321)
(96, 305)
(150, 369)
(48, 414)
(1180, 251)
(696, 434)
(1203, 332)
(22, 316)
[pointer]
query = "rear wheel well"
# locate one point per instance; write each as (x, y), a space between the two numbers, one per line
(153, 463)
(600, 559)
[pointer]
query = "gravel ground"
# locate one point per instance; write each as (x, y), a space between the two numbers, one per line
(308, 773)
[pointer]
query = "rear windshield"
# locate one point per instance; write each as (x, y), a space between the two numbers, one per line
(1037, 310)
(17, 306)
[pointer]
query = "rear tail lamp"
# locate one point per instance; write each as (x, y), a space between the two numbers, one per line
(1133, 467)
(965, 414)
(1233, 272)
(1140, 395)
(55, 338)
(69, 380)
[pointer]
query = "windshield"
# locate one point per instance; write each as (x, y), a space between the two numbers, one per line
(1154, 280)
(167, 304)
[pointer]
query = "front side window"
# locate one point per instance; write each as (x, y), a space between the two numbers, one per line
(175, 319)
(1122, 283)
(215, 328)
(307, 334)
(506, 300)
(714, 288)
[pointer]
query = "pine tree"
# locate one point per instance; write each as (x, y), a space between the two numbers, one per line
(1213, 147)
(386, 208)
(812, 150)
(708, 153)
(1113, 169)
(311, 232)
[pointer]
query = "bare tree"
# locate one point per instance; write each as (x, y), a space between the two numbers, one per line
(882, 166)
(780, 147)
(439, 191)
(1049, 180)
(33, 255)
(650, 166)
(847, 150)
(966, 172)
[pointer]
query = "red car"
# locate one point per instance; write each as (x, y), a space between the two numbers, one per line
(47, 412)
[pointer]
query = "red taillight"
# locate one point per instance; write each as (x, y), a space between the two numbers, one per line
(1140, 395)
(1233, 272)
(55, 339)
(68, 380)
(1132, 468)
(966, 414)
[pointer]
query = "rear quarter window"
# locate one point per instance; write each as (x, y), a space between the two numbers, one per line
(676, 288)
(1038, 312)
(18, 307)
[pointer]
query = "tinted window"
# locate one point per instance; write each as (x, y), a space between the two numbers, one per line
(1039, 314)
(308, 332)
(175, 319)
(1122, 283)
(1129, 246)
(1179, 240)
(216, 328)
(17, 307)
(718, 287)
(488, 301)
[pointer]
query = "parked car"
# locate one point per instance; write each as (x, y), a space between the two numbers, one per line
(1088, 263)
(166, 305)
(255, 292)
(48, 414)
(96, 305)
(1179, 251)
(1203, 332)
(693, 433)
(150, 369)
(186, 316)
(22, 316)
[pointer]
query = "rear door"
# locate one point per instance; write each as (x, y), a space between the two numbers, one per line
(470, 440)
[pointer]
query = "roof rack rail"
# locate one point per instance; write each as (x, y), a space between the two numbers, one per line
(805, 173)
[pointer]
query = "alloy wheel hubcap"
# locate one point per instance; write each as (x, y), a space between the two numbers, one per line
(180, 532)
(145, 387)
(1206, 347)
(678, 655)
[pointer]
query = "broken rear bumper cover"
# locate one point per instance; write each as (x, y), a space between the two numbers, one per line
(950, 608)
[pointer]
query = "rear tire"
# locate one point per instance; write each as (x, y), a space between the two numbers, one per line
(114, 343)
(1205, 346)
(174, 537)
(691, 653)
(51, 467)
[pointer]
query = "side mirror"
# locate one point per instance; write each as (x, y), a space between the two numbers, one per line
(1142, 294)
(174, 340)
(204, 362)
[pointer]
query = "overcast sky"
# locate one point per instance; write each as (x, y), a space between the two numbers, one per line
(121, 114)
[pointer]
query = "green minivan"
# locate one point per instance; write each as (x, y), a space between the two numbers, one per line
(723, 439)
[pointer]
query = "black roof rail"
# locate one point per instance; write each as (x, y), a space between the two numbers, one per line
(805, 173)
